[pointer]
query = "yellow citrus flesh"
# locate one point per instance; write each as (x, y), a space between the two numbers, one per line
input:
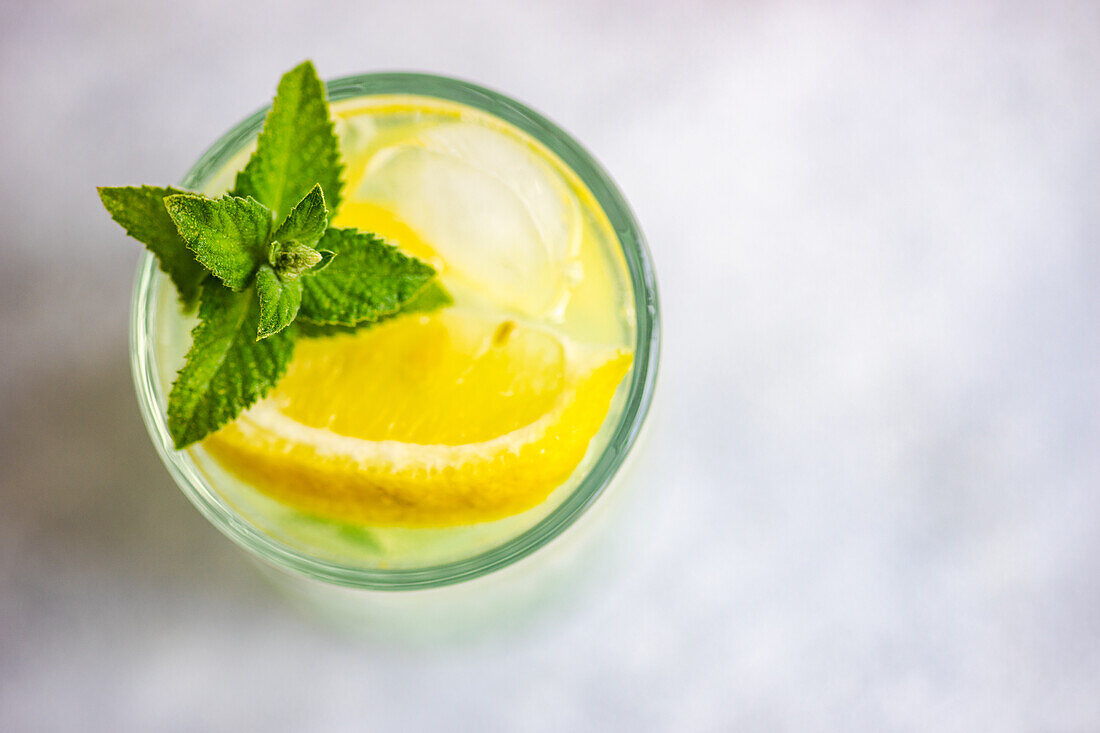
(424, 420)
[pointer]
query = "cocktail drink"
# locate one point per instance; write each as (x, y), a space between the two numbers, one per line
(473, 426)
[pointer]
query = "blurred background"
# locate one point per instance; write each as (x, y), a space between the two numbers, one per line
(870, 496)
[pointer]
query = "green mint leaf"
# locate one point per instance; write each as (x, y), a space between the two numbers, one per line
(296, 149)
(326, 257)
(279, 301)
(228, 235)
(227, 369)
(431, 297)
(141, 212)
(367, 279)
(306, 222)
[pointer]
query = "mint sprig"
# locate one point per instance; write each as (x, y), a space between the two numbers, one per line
(264, 260)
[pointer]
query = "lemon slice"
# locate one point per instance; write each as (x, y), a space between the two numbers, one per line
(425, 420)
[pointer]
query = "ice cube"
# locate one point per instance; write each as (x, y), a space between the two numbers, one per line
(498, 215)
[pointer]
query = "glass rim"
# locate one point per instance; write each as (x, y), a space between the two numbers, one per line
(646, 350)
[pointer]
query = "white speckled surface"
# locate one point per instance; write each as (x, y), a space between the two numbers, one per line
(870, 500)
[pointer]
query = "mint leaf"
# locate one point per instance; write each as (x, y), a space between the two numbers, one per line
(228, 235)
(367, 279)
(279, 301)
(227, 369)
(326, 257)
(431, 297)
(306, 222)
(141, 212)
(296, 149)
